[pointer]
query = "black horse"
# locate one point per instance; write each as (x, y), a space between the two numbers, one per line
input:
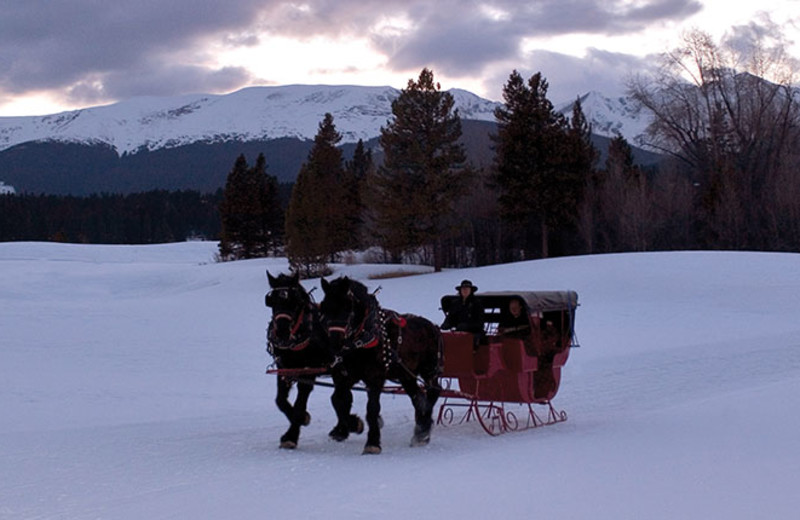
(295, 339)
(374, 345)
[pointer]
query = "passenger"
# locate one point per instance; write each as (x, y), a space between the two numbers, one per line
(466, 313)
(550, 339)
(517, 323)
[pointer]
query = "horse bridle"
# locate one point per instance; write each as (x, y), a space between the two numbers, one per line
(294, 321)
(347, 329)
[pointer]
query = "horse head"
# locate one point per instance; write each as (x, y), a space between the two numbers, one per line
(345, 310)
(290, 304)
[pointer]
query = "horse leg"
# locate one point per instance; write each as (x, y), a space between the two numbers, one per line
(424, 401)
(282, 402)
(373, 445)
(342, 401)
(430, 371)
(422, 411)
(422, 430)
(282, 397)
(299, 415)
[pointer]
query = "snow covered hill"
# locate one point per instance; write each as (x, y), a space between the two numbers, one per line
(259, 113)
(132, 386)
(191, 142)
(611, 117)
(256, 113)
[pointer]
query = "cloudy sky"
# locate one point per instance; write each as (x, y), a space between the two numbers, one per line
(64, 54)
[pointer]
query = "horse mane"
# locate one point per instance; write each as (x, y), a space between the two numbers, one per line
(289, 283)
(362, 300)
(359, 290)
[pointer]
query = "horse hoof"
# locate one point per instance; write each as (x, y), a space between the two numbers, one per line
(371, 450)
(421, 439)
(338, 434)
(307, 419)
(421, 436)
(288, 445)
(356, 424)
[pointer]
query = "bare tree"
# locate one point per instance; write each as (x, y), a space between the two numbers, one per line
(729, 114)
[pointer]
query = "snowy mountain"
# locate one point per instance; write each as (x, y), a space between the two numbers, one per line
(263, 113)
(256, 113)
(610, 117)
(191, 142)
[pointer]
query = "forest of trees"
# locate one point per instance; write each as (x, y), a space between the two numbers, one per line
(139, 218)
(727, 122)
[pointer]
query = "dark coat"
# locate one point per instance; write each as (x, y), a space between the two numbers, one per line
(519, 327)
(465, 315)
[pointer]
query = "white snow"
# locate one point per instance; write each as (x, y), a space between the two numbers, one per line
(611, 117)
(132, 386)
(248, 114)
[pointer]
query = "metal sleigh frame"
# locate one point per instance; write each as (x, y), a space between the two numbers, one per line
(495, 417)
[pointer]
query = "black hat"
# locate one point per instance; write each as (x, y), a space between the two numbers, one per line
(466, 283)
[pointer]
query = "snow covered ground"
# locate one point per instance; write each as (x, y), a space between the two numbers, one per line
(132, 386)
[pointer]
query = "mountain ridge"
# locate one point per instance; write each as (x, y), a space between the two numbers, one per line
(253, 113)
(191, 141)
(263, 113)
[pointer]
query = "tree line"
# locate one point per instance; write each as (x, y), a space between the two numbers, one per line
(139, 218)
(726, 121)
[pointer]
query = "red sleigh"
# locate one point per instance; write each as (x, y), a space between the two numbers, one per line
(497, 379)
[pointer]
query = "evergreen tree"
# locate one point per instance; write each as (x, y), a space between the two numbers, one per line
(423, 171)
(578, 172)
(272, 213)
(357, 171)
(535, 174)
(249, 212)
(317, 218)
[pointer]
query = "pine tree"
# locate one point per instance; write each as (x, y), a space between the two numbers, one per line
(533, 172)
(578, 172)
(272, 214)
(357, 171)
(250, 212)
(423, 172)
(317, 217)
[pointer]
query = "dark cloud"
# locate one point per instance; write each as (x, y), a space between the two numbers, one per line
(59, 45)
(468, 37)
(465, 45)
(570, 76)
(104, 50)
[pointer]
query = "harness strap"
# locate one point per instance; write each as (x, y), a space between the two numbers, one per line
(272, 346)
(299, 321)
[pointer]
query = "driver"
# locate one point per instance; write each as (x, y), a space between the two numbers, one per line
(466, 313)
